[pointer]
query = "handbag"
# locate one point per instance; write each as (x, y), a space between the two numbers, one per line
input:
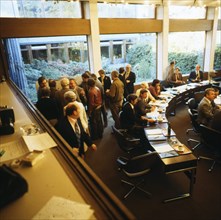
(12, 185)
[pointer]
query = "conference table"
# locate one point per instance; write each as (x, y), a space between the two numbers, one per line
(183, 161)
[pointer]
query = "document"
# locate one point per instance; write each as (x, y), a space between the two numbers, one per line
(164, 149)
(16, 149)
(61, 208)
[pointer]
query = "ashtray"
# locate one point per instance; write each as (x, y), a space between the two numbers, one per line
(30, 129)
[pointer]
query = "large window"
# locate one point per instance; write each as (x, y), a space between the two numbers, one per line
(52, 57)
(217, 58)
(40, 9)
(187, 48)
(125, 11)
(187, 12)
(137, 49)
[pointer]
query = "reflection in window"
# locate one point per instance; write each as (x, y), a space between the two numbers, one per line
(40, 9)
(52, 57)
(187, 12)
(125, 11)
(187, 48)
(137, 49)
(217, 57)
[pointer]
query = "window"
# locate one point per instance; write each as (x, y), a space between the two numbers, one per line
(137, 49)
(187, 48)
(187, 12)
(217, 57)
(40, 9)
(52, 57)
(125, 11)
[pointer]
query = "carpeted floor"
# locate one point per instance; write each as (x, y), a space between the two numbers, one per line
(205, 203)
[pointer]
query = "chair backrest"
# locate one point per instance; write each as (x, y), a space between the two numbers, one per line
(192, 104)
(142, 162)
(125, 142)
(193, 117)
(199, 96)
(211, 137)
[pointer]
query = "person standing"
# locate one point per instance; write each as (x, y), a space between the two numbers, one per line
(42, 82)
(170, 70)
(130, 79)
(116, 95)
(72, 131)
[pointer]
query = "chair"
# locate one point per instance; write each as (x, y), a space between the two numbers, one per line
(199, 96)
(212, 139)
(136, 168)
(127, 143)
(195, 128)
(193, 105)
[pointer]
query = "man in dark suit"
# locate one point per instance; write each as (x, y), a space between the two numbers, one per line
(72, 131)
(130, 79)
(196, 75)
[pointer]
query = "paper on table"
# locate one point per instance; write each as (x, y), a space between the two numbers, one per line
(13, 150)
(162, 147)
(39, 142)
(156, 131)
(60, 208)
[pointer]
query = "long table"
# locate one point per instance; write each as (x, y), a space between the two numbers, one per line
(186, 163)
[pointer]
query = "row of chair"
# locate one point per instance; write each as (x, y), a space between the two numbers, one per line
(208, 137)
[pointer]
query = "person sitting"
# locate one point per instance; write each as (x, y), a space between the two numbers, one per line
(205, 108)
(196, 75)
(142, 108)
(71, 129)
(48, 106)
(176, 78)
(155, 88)
(145, 86)
(128, 119)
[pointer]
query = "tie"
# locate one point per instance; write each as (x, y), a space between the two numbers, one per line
(78, 134)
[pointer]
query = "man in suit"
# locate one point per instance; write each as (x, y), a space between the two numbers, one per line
(116, 95)
(130, 79)
(72, 131)
(206, 110)
(197, 75)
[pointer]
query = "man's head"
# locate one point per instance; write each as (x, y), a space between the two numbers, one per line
(143, 93)
(70, 96)
(42, 82)
(132, 98)
(101, 73)
(198, 67)
(128, 68)
(85, 76)
(91, 82)
(65, 83)
(114, 74)
(72, 110)
(210, 94)
(72, 83)
(216, 92)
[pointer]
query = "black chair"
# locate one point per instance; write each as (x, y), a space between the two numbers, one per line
(193, 105)
(199, 96)
(212, 140)
(195, 128)
(136, 168)
(132, 146)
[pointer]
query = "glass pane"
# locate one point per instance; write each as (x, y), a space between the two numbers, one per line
(217, 58)
(219, 16)
(52, 57)
(187, 12)
(187, 49)
(125, 11)
(137, 49)
(40, 9)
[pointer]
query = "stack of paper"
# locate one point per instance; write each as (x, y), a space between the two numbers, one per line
(60, 208)
(164, 149)
(154, 134)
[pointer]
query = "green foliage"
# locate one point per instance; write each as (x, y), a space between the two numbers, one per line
(217, 58)
(186, 61)
(140, 56)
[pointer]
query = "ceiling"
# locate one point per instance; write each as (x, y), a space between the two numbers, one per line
(200, 3)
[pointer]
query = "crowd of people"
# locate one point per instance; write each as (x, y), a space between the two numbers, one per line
(79, 112)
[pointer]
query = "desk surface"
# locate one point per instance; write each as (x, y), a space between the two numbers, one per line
(46, 179)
